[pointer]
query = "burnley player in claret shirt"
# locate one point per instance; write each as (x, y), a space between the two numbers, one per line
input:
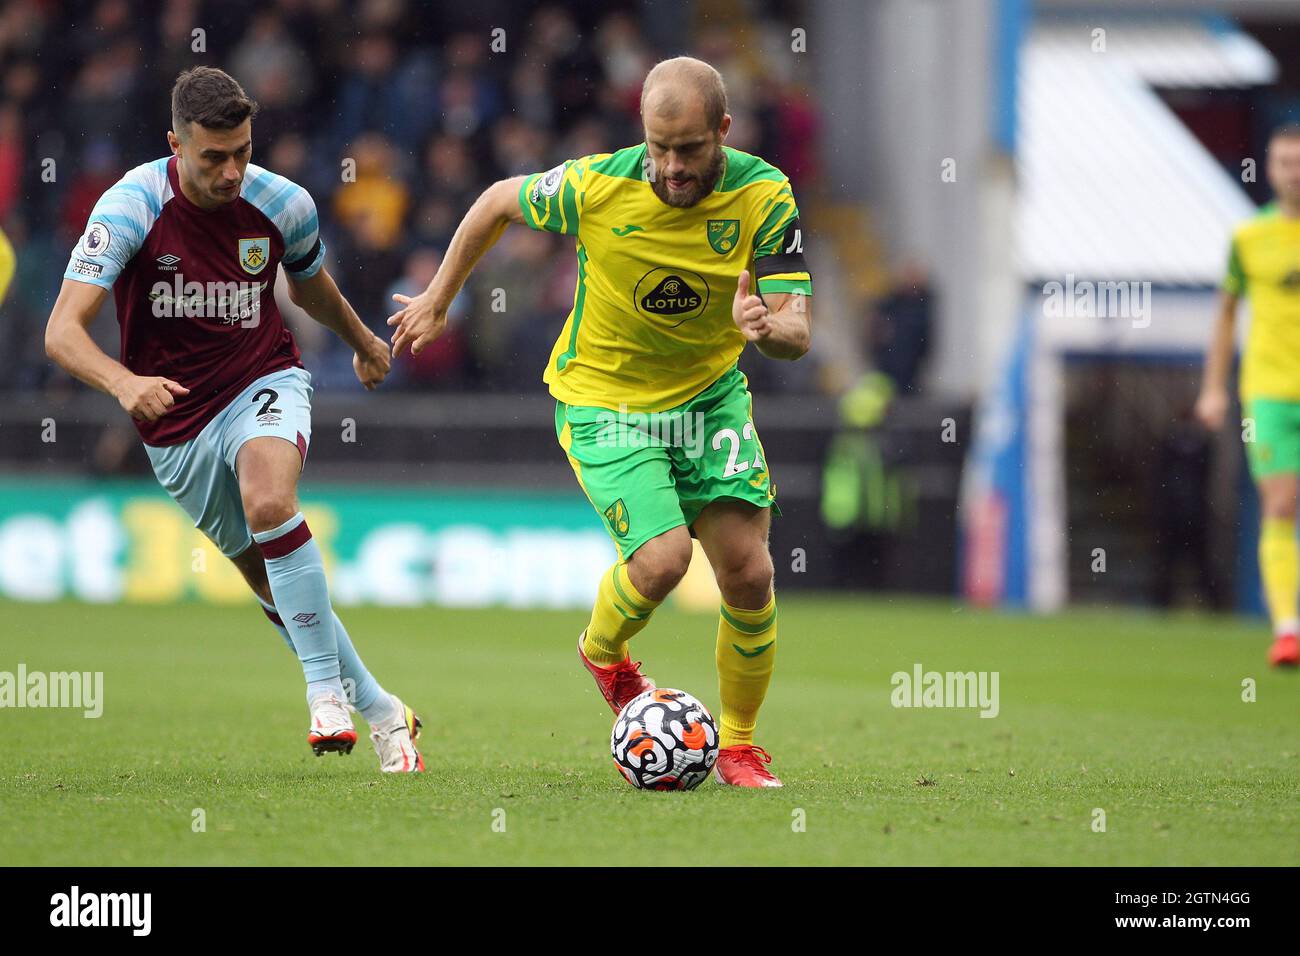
(189, 245)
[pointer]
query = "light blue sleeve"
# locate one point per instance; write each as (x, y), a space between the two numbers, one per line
(293, 211)
(118, 225)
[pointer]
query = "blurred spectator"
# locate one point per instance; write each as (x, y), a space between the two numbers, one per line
(430, 113)
(900, 330)
(444, 364)
(449, 171)
(103, 101)
(375, 204)
(276, 72)
(1180, 500)
(11, 158)
(266, 56)
(289, 158)
(787, 130)
(98, 169)
(436, 221)
(175, 52)
(625, 59)
(369, 96)
(518, 148)
(531, 94)
(367, 265)
(380, 91)
(517, 315)
(24, 28)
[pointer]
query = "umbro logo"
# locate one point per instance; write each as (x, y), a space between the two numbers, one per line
(306, 619)
(168, 262)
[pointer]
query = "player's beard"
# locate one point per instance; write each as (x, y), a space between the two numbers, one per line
(699, 187)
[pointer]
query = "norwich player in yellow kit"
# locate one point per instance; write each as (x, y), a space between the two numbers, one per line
(1264, 264)
(687, 250)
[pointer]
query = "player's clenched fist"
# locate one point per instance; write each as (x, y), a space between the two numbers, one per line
(372, 362)
(749, 311)
(148, 397)
(418, 323)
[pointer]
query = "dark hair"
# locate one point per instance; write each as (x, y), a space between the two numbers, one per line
(1289, 130)
(211, 98)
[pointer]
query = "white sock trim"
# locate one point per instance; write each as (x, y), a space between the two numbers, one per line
(261, 537)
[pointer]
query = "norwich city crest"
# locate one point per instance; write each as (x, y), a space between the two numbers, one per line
(616, 515)
(254, 254)
(723, 234)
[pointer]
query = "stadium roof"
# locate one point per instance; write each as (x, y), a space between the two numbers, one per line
(1111, 184)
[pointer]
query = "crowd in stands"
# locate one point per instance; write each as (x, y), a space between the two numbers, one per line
(429, 103)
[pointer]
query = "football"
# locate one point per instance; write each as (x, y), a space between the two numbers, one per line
(664, 739)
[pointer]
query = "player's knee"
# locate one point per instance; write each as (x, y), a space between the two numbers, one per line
(659, 566)
(748, 579)
(265, 512)
(1279, 509)
(660, 578)
(1278, 502)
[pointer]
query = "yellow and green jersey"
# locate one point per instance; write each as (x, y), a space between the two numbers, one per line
(651, 323)
(1264, 264)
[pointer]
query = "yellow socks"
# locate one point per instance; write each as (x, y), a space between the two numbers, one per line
(620, 612)
(1279, 566)
(746, 650)
(746, 654)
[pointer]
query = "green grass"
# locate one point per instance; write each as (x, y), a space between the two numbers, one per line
(1138, 715)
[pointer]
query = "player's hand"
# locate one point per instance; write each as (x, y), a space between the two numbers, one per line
(372, 362)
(1212, 408)
(418, 323)
(749, 312)
(148, 397)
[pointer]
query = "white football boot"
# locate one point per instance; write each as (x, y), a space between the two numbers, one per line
(331, 727)
(395, 741)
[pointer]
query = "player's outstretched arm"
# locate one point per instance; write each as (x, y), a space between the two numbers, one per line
(422, 318)
(319, 297)
(781, 327)
(1213, 402)
(68, 343)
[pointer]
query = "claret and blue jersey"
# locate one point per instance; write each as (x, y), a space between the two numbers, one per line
(194, 287)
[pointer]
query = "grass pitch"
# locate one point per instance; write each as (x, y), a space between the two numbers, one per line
(1137, 716)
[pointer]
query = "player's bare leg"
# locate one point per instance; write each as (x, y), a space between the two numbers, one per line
(659, 565)
(394, 726)
(733, 534)
(628, 596)
(1279, 563)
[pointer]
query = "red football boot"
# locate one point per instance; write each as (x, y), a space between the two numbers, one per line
(1285, 652)
(745, 766)
(619, 682)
